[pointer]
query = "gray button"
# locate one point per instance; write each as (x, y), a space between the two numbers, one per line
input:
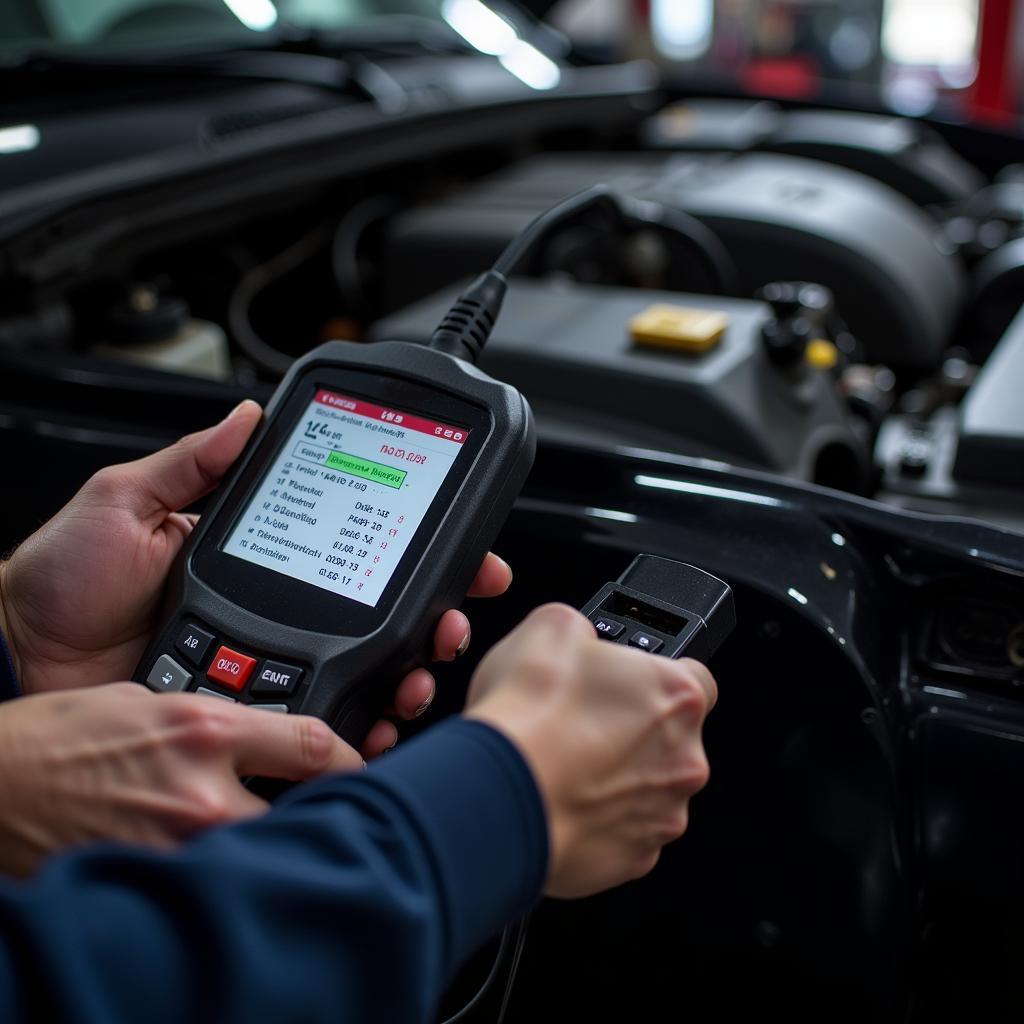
(646, 642)
(281, 709)
(608, 628)
(167, 676)
(213, 693)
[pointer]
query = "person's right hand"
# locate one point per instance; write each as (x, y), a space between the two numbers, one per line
(612, 735)
(119, 763)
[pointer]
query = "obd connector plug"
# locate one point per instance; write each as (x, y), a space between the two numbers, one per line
(664, 607)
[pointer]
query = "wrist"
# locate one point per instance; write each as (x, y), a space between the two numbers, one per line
(525, 731)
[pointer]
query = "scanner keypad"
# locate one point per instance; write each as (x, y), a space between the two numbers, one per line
(218, 668)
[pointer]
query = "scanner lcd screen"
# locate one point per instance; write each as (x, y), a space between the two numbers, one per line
(345, 494)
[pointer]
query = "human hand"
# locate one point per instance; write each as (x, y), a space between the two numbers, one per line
(122, 764)
(80, 598)
(612, 735)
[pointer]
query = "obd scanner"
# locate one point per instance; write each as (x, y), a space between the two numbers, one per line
(359, 512)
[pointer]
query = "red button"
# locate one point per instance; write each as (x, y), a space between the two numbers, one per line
(230, 669)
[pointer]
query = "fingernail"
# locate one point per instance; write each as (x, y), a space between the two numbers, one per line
(423, 707)
(507, 566)
(237, 408)
(463, 646)
(387, 750)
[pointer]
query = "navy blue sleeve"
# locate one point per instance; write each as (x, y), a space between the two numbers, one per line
(355, 899)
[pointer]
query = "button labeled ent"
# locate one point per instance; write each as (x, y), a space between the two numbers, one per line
(230, 669)
(276, 679)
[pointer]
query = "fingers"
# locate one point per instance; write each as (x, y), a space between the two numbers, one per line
(414, 694)
(557, 623)
(700, 673)
(451, 638)
(236, 803)
(176, 476)
(452, 635)
(493, 577)
(293, 747)
(382, 737)
(183, 522)
(127, 689)
(412, 698)
(207, 800)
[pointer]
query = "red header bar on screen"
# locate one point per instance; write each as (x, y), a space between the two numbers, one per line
(392, 417)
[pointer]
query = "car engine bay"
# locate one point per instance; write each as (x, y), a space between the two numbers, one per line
(801, 366)
(859, 313)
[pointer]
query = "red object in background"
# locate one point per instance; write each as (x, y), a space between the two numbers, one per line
(794, 77)
(991, 98)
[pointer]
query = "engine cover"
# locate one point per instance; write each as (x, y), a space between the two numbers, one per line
(568, 348)
(780, 217)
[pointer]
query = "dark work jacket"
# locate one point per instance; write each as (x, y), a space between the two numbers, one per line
(354, 899)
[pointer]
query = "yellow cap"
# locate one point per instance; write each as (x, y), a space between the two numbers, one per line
(821, 354)
(679, 327)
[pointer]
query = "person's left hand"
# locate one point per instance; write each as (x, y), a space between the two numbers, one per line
(79, 599)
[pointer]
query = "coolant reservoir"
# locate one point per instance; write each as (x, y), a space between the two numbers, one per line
(155, 330)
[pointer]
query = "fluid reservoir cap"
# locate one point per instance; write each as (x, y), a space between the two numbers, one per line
(146, 315)
(683, 328)
(821, 354)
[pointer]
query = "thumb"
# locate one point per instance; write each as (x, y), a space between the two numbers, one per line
(174, 477)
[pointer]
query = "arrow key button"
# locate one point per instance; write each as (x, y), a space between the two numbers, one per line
(167, 676)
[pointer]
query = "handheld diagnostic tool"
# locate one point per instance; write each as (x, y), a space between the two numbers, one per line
(359, 513)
